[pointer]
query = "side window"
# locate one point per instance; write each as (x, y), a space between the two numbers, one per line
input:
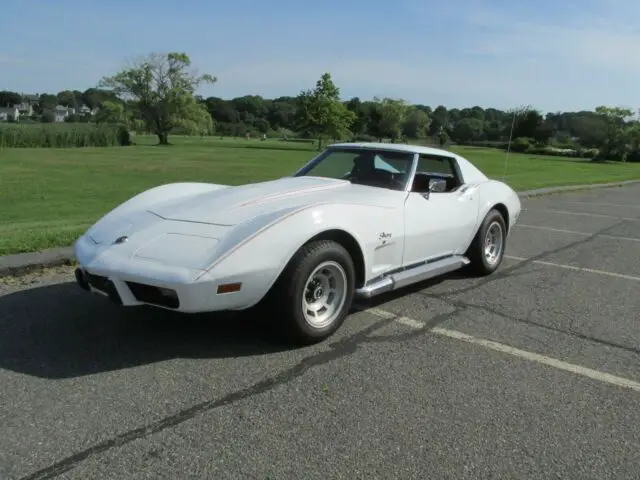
(433, 164)
(432, 167)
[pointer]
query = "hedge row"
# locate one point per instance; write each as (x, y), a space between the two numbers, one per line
(528, 145)
(62, 135)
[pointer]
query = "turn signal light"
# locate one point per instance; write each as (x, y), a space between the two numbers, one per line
(229, 287)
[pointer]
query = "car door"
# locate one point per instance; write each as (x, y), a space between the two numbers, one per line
(438, 223)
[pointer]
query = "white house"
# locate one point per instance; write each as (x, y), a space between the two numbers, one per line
(25, 108)
(60, 112)
(9, 113)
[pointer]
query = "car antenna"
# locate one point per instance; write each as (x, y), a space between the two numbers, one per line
(506, 158)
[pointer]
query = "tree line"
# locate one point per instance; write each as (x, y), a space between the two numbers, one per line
(159, 95)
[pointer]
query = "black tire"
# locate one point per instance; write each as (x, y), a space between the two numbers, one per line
(287, 294)
(480, 264)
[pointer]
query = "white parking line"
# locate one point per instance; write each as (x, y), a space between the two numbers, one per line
(573, 232)
(577, 269)
(586, 214)
(516, 352)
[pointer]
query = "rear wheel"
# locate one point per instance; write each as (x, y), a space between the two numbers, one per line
(315, 292)
(487, 248)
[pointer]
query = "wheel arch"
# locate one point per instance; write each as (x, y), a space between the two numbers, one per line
(501, 208)
(496, 195)
(350, 244)
(504, 211)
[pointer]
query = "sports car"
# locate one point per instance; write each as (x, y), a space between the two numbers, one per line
(357, 220)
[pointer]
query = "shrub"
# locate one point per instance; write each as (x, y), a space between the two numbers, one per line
(634, 156)
(63, 135)
(521, 144)
(563, 152)
(485, 144)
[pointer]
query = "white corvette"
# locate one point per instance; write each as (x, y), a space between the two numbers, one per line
(357, 220)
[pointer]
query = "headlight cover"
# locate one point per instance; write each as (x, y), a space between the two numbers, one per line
(181, 250)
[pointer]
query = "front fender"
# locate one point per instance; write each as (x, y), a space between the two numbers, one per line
(261, 248)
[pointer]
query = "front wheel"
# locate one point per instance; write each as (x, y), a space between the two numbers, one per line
(315, 292)
(487, 248)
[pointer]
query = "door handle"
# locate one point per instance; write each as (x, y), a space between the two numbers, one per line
(466, 192)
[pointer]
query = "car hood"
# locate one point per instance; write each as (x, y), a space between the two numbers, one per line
(234, 205)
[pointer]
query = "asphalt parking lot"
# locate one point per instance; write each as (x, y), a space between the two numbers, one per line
(533, 372)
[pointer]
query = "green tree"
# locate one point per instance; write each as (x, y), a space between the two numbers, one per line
(281, 114)
(525, 121)
(67, 98)
(633, 133)
(94, 98)
(321, 113)
(616, 136)
(112, 112)
(162, 88)
(197, 120)
(46, 101)
(468, 130)
(362, 117)
(415, 123)
(9, 99)
(392, 115)
(439, 121)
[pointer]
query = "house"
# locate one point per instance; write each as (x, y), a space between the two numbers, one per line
(25, 108)
(60, 112)
(84, 110)
(9, 113)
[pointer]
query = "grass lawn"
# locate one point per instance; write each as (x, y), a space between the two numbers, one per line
(48, 197)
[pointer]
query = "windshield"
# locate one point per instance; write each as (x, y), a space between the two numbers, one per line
(372, 167)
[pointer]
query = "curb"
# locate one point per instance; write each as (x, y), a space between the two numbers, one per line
(11, 265)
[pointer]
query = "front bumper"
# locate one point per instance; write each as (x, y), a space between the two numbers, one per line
(133, 293)
(129, 281)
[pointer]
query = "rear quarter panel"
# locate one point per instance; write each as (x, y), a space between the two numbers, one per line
(493, 192)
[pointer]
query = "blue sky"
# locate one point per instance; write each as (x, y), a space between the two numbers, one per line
(553, 55)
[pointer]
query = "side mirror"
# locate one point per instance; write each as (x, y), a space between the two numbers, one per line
(436, 185)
